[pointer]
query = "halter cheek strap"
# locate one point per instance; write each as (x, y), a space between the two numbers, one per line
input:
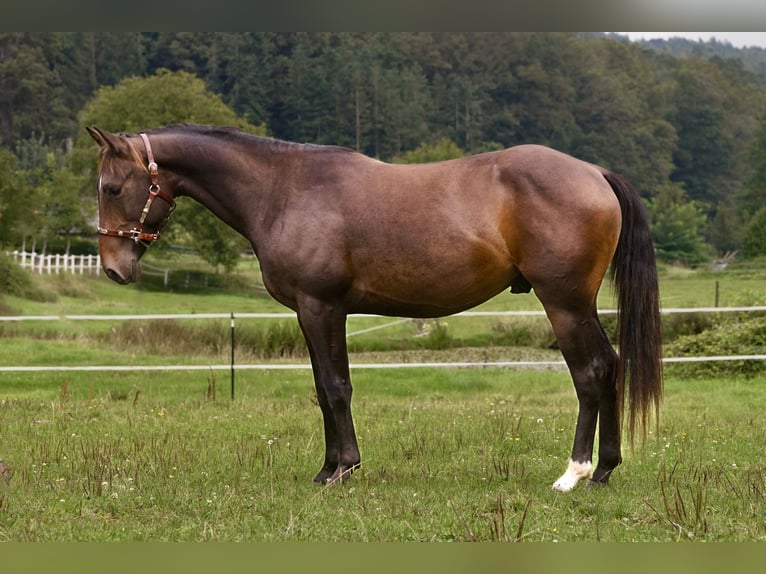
(137, 234)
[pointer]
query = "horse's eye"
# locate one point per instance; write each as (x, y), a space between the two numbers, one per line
(112, 191)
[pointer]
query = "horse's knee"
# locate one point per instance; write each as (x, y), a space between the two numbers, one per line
(338, 392)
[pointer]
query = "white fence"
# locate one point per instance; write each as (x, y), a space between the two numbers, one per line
(56, 263)
(555, 364)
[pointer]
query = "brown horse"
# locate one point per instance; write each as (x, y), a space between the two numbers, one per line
(337, 232)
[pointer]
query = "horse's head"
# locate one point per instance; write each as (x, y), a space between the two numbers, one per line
(128, 183)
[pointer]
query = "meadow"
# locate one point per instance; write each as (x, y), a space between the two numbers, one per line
(448, 454)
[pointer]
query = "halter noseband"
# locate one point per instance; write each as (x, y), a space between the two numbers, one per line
(137, 234)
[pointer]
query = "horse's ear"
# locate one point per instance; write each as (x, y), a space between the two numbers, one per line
(109, 141)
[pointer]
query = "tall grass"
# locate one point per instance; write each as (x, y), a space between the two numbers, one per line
(453, 455)
(448, 455)
(277, 339)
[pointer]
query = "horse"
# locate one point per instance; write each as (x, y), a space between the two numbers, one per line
(337, 233)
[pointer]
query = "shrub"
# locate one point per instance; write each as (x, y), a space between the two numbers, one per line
(439, 338)
(735, 335)
(522, 333)
(15, 281)
(684, 324)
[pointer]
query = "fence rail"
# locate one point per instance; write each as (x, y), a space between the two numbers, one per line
(290, 314)
(56, 263)
(560, 364)
(557, 365)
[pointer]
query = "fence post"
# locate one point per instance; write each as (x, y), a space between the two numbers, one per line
(232, 356)
(716, 293)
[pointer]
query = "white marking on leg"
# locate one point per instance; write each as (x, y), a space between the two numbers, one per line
(575, 472)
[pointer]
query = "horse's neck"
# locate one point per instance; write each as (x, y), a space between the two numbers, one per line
(232, 182)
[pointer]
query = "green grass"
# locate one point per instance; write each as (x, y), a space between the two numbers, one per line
(96, 342)
(448, 455)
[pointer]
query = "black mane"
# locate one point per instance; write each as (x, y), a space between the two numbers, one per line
(235, 134)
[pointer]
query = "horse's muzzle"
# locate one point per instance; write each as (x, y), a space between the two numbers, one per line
(116, 276)
(123, 276)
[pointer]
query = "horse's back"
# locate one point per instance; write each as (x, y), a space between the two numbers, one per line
(435, 239)
(439, 238)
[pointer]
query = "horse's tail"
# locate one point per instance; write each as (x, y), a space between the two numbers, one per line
(639, 336)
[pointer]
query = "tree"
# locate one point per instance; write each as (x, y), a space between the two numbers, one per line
(29, 90)
(754, 194)
(534, 97)
(241, 73)
(60, 209)
(167, 97)
(620, 109)
(652, 116)
(164, 98)
(20, 213)
(705, 157)
(677, 226)
(443, 149)
(754, 240)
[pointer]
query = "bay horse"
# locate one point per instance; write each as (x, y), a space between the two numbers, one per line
(337, 232)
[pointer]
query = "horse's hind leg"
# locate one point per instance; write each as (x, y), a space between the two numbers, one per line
(591, 361)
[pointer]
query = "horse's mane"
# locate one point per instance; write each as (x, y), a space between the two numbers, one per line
(234, 134)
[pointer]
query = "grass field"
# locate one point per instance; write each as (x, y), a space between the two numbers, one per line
(467, 455)
(448, 454)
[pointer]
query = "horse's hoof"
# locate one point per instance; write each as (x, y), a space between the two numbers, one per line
(600, 477)
(575, 472)
(339, 475)
(323, 477)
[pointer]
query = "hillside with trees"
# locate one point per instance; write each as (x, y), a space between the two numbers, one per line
(685, 123)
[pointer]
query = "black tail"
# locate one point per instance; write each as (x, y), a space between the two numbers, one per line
(639, 333)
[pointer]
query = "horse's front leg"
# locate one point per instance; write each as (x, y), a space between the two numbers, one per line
(330, 430)
(324, 327)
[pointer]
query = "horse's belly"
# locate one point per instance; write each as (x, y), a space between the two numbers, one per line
(428, 291)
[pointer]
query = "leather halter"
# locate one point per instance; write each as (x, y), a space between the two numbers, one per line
(137, 234)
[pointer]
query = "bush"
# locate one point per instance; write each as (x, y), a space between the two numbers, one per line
(522, 333)
(15, 281)
(684, 324)
(438, 338)
(736, 335)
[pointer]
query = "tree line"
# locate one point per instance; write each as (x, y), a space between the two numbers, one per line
(683, 120)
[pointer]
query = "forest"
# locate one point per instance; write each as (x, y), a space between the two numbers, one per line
(684, 121)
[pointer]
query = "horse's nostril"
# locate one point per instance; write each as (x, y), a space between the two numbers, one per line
(115, 276)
